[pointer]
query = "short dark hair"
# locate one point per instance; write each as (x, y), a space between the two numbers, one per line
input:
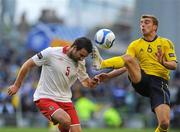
(83, 42)
(154, 18)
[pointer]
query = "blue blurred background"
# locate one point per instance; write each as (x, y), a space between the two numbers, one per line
(27, 27)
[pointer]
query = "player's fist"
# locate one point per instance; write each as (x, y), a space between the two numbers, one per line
(12, 90)
(160, 55)
(94, 82)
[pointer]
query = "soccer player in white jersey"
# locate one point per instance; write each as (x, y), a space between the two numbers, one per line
(61, 67)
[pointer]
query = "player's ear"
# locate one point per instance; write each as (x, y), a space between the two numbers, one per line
(155, 27)
(75, 47)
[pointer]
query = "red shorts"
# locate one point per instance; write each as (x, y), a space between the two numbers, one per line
(47, 107)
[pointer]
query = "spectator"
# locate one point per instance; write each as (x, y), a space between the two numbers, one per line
(112, 118)
(85, 109)
(23, 27)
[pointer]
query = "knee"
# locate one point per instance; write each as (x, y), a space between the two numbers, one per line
(128, 59)
(164, 124)
(66, 123)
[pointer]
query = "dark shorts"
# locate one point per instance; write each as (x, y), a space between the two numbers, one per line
(156, 88)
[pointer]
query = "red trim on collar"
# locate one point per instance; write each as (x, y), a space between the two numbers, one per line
(65, 49)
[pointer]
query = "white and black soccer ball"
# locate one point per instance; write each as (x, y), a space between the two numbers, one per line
(104, 38)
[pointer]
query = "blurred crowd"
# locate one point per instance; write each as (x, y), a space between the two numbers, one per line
(113, 103)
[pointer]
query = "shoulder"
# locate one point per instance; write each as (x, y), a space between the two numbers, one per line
(55, 49)
(52, 51)
(137, 41)
(166, 41)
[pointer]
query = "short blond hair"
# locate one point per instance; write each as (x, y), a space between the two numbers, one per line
(154, 18)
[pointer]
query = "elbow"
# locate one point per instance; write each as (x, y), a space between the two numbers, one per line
(173, 68)
(171, 65)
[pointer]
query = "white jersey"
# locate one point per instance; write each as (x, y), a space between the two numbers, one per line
(58, 74)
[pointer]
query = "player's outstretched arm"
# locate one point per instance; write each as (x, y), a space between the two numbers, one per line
(117, 72)
(102, 77)
(21, 75)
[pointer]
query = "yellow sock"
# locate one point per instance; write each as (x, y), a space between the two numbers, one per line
(159, 129)
(52, 127)
(115, 62)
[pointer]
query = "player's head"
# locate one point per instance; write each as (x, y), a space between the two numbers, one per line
(148, 24)
(80, 48)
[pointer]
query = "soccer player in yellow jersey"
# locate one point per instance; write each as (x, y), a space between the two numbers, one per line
(148, 61)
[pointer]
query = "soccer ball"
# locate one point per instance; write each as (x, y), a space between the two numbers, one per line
(104, 38)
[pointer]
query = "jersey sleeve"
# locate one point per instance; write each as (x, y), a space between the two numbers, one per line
(42, 57)
(130, 50)
(170, 51)
(82, 74)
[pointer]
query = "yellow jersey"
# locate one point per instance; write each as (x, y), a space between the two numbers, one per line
(146, 54)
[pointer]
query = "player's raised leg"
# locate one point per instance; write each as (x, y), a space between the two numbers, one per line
(96, 57)
(99, 63)
(118, 62)
(133, 68)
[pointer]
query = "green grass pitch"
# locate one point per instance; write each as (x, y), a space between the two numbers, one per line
(84, 130)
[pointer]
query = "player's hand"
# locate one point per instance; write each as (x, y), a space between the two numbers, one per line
(12, 90)
(94, 82)
(160, 56)
(102, 77)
